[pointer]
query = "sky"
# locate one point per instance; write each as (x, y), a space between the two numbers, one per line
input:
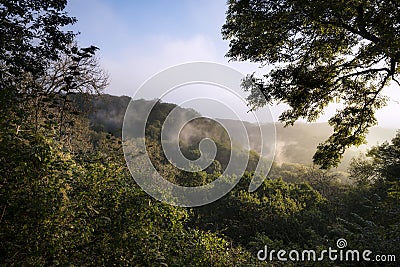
(138, 39)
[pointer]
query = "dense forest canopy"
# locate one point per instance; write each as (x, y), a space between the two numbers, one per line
(295, 144)
(67, 197)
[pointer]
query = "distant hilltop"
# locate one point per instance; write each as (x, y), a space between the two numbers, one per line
(294, 144)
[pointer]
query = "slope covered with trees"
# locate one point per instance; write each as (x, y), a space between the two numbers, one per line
(296, 144)
(67, 197)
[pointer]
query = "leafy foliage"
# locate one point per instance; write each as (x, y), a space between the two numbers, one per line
(322, 51)
(67, 198)
(84, 212)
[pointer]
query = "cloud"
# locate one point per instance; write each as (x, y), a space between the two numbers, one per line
(138, 39)
(137, 62)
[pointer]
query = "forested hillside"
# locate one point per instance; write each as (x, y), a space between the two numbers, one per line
(295, 144)
(67, 197)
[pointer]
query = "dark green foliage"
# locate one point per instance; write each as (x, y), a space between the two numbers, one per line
(31, 34)
(381, 167)
(31, 37)
(61, 210)
(386, 159)
(277, 209)
(322, 52)
(370, 214)
(67, 198)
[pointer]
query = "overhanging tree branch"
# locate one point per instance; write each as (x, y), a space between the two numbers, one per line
(343, 50)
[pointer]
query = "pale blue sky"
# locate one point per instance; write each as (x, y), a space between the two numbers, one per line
(140, 38)
(137, 39)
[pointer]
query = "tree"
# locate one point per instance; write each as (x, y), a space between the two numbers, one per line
(75, 72)
(31, 36)
(81, 65)
(38, 58)
(380, 167)
(386, 159)
(59, 207)
(321, 51)
(369, 214)
(386, 162)
(362, 171)
(41, 67)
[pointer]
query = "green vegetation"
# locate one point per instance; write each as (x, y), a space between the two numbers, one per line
(321, 52)
(296, 144)
(67, 198)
